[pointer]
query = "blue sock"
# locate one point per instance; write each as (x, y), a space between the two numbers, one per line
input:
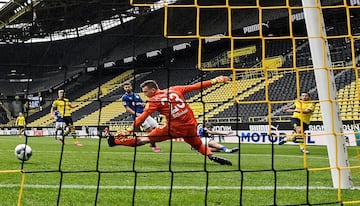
(223, 148)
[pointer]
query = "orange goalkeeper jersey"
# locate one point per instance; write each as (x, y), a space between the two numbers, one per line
(172, 104)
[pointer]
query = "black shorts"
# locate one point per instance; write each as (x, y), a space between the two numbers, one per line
(21, 127)
(297, 123)
(68, 120)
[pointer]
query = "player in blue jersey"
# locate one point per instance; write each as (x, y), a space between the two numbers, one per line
(59, 124)
(135, 106)
(207, 137)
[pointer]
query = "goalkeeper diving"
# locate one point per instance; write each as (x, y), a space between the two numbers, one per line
(180, 120)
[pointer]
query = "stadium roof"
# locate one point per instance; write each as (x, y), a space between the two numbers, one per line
(25, 19)
(47, 20)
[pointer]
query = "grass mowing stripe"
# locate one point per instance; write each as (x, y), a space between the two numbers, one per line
(174, 187)
(183, 154)
(258, 168)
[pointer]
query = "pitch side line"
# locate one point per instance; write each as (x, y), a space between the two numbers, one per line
(167, 187)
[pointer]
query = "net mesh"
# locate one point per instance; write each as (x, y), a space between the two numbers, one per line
(263, 47)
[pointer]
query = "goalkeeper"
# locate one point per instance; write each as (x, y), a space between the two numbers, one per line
(181, 122)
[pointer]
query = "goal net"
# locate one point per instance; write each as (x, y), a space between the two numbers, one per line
(272, 51)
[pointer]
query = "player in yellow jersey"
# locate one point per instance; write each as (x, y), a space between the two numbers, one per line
(302, 111)
(20, 123)
(64, 106)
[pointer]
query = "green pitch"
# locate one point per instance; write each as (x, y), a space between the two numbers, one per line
(98, 175)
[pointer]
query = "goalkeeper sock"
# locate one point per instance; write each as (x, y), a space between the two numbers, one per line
(129, 142)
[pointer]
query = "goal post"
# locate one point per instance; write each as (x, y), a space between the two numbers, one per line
(325, 83)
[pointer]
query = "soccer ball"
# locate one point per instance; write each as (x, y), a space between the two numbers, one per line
(23, 152)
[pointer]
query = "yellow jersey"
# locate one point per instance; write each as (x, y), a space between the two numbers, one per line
(301, 105)
(20, 120)
(63, 106)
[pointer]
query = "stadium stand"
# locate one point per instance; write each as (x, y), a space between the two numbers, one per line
(87, 99)
(112, 49)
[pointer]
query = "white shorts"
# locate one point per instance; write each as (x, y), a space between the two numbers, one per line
(59, 125)
(149, 123)
(206, 140)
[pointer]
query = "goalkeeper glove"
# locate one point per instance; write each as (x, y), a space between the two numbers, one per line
(220, 79)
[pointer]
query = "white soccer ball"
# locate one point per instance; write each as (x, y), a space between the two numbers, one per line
(23, 152)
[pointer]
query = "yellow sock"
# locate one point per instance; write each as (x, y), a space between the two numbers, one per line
(67, 132)
(302, 145)
(290, 139)
(73, 134)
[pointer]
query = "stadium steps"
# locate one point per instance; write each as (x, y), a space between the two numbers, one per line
(122, 115)
(87, 98)
(241, 96)
(348, 103)
(247, 91)
(107, 112)
(216, 97)
(72, 85)
(195, 102)
(347, 95)
(110, 110)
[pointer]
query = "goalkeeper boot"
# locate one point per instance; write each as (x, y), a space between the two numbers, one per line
(219, 160)
(109, 137)
(154, 148)
(106, 131)
(110, 140)
(193, 149)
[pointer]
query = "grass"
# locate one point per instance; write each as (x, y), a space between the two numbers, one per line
(98, 175)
